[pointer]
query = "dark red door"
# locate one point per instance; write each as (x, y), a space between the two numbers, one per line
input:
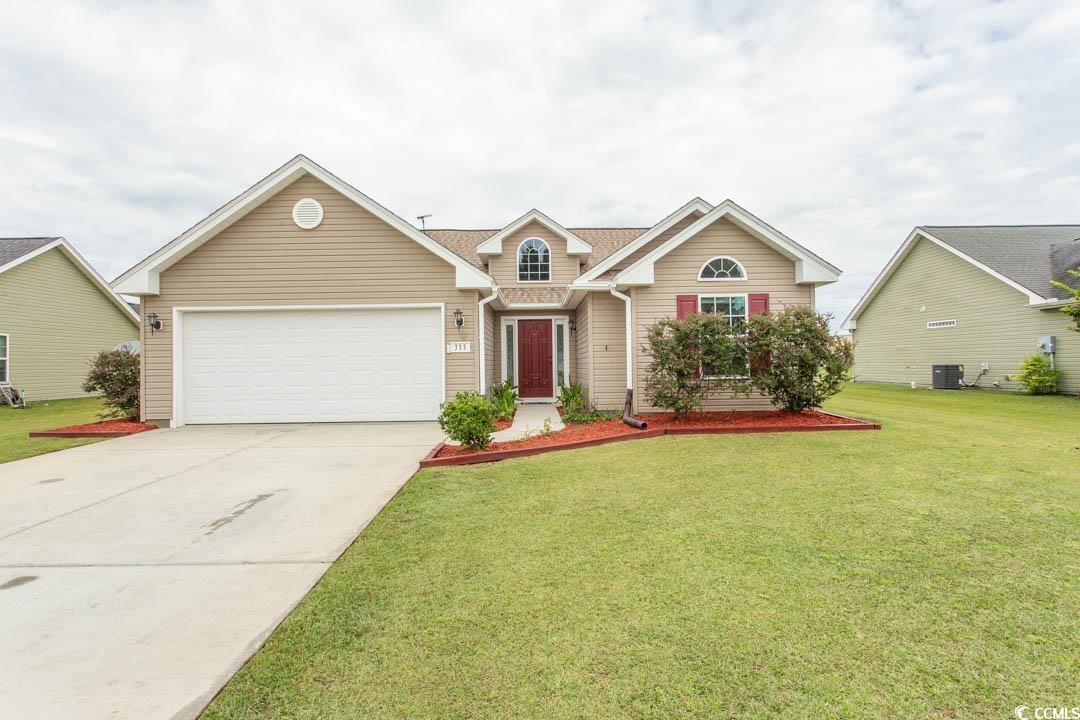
(534, 358)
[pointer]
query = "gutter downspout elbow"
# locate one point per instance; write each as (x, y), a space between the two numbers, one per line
(627, 417)
(480, 338)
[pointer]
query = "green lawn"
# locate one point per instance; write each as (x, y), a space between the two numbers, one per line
(929, 570)
(16, 423)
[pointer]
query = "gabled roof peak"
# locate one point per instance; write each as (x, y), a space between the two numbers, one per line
(574, 244)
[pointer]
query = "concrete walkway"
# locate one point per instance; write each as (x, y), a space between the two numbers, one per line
(529, 420)
(138, 574)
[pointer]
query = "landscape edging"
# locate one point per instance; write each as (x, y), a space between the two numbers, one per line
(76, 434)
(430, 460)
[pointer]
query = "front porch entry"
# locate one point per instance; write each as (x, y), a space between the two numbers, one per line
(535, 371)
(535, 354)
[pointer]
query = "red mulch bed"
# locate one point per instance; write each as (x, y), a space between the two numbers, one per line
(602, 431)
(746, 418)
(102, 429)
(572, 433)
(504, 424)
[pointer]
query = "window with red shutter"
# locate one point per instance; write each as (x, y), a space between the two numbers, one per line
(759, 303)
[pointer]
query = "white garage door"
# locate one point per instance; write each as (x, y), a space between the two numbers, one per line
(311, 365)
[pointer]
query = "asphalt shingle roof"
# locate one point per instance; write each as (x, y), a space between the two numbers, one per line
(604, 241)
(15, 248)
(1029, 255)
(519, 295)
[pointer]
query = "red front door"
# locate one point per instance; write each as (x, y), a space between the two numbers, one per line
(534, 359)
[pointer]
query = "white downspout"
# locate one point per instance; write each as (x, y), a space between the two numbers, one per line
(628, 408)
(481, 338)
(629, 339)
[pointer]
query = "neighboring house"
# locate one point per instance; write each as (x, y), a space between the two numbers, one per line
(305, 300)
(969, 296)
(56, 314)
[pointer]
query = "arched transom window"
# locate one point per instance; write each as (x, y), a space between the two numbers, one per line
(534, 261)
(722, 268)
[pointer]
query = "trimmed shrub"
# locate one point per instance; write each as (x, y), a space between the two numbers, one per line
(576, 408)
(1038, 376)
(504, 397)
(795, 360)
(469, 418)
(115, 375)
(692, 358)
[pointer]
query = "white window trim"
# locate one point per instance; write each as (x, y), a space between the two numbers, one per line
(746, 304)
(556, 320)
(179, 313)
(6, 358)
(517, 261)
(745, 275)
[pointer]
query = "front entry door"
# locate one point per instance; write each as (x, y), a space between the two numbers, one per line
(534, 359)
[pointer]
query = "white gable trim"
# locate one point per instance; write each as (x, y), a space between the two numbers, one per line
(143, 278)
(76, 259)
(851, 321)
(809, 268)
(695, 205)
(574, 244)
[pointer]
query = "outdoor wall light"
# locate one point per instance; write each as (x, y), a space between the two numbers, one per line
(153, 322)
(572, 324)
(459, 317)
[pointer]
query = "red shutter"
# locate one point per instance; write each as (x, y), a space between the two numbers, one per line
(759, 304)
(685, 305)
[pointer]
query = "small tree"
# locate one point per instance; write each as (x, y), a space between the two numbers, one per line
(115, 374)
(1038, 376)
(795, 360)
(1073, 309)
(692, 358)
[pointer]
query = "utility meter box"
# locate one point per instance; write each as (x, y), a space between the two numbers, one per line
(1047, 344)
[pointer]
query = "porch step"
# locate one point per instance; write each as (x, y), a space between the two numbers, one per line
(529, 420)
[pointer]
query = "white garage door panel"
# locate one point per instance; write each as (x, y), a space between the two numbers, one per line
(312, 365)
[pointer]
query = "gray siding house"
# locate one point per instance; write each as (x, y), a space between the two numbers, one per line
(971, 296)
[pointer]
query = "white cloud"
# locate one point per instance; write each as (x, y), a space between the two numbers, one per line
(842, 123)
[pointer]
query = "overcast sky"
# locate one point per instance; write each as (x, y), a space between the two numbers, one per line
(843, 124)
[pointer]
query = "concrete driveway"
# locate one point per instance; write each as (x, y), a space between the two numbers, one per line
(137, 574)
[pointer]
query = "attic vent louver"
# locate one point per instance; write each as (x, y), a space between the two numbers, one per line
(307, 213)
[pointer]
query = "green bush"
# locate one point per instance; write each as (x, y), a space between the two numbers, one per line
(115, 374)
(680, 349)
(469, 418)
(1038, 376)
(794, 358)
(576, 408)
(1073, 308)
(504, 397)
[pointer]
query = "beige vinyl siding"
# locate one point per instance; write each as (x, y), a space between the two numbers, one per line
(56, 320)
(607, 329)
(676, 274)
(265, 259)
(583, 372)
(654, 243)
(564, 268)
(994, 324)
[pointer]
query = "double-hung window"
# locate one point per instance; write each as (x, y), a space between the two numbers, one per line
(732, 308)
